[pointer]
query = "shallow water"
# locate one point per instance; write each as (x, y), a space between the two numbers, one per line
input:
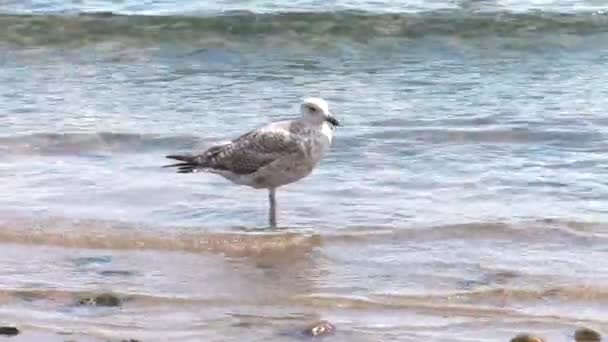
(464, 197)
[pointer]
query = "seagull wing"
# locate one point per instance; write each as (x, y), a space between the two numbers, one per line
(245, 154)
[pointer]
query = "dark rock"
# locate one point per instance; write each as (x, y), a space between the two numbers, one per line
(242, 325)
(117, 273)
(9, 331)
(85, 261)
(526, 338)
(587, 335)
(104, 299)
(321, 328)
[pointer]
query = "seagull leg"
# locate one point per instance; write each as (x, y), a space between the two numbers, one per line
(272, 214)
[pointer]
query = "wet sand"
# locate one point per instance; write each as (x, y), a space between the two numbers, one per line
(373, 285)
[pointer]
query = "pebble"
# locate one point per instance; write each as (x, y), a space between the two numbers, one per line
(104, 299)
(587, 335)
(9, 331)
(526, 338)
(321, 328)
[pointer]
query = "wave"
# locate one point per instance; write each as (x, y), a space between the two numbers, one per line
(99, 142)
(116, 235)
(471, 303)
(530, 231)
(568, 138)
(72, 143)
(234, 26)
(98, 234)
(477, 304)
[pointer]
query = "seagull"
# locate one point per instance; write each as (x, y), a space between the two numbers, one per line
(277, 154)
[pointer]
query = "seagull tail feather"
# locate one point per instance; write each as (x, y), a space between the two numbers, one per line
(189, 163)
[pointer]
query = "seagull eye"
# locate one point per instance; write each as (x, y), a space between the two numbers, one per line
(312, 109)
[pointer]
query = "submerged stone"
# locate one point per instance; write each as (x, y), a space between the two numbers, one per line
(526, 338)
(104, 299)
(587, 335)
(85, 261)
(9, 331)
(117, 273)
(321, 328)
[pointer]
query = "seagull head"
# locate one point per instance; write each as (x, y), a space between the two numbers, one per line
(316, 110)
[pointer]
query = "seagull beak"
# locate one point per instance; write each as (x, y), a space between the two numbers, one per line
(330, 118)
